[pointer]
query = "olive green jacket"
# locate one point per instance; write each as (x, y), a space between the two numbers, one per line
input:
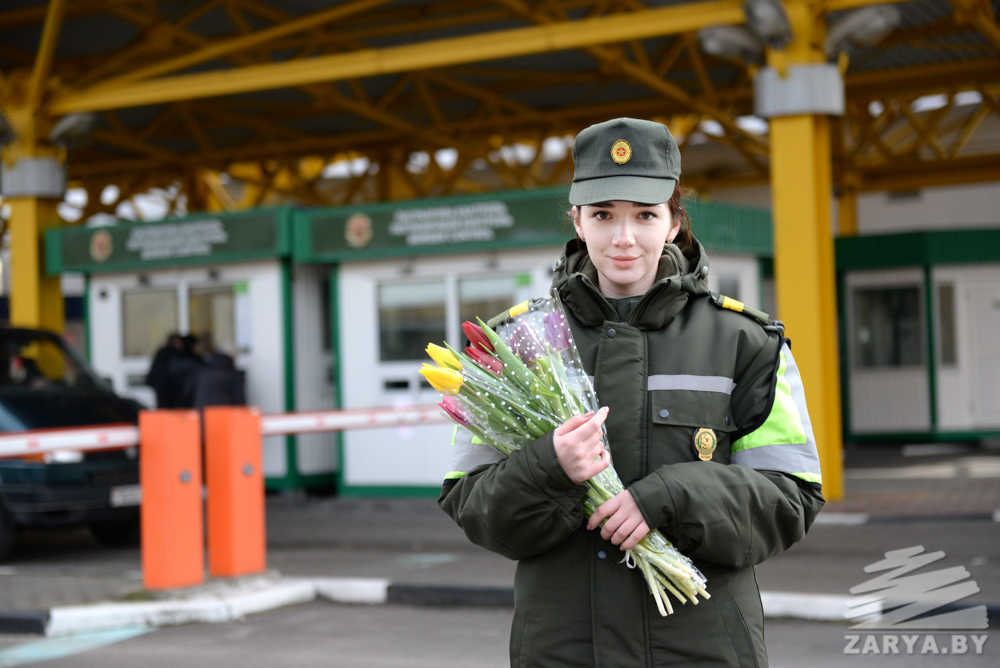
(678, 363)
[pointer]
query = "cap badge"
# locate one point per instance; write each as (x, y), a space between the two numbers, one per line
(705, 442)
(621, 152)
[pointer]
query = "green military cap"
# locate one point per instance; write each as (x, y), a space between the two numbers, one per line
(625, 159)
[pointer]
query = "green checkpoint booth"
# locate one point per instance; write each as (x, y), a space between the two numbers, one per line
(920, 336)
(228, 275)
(328, 308)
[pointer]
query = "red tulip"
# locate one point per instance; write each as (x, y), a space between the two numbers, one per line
(485, 360)
(454, 410)
(476, 336)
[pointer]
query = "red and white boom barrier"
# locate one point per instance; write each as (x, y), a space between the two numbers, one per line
(170, 473)
(371, 418)
(108, 437)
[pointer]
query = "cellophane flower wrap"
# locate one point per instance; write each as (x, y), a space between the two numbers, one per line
(521, 381)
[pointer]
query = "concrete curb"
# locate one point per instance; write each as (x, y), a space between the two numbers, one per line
(217, 607)
(229, 602)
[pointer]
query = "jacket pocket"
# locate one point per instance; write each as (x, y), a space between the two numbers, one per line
(677, 415)
(686, 408)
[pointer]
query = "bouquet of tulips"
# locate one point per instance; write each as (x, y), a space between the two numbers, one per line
(516, 384)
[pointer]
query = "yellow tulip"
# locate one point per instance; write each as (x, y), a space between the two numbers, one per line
(443, 356)
(445, 381)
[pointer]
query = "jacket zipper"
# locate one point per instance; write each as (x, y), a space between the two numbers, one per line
(611, 307)
(614, 312)
(635, 309)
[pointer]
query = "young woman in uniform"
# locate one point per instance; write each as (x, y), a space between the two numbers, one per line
(706, 422)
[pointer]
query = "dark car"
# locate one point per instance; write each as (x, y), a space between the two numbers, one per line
(44, 385)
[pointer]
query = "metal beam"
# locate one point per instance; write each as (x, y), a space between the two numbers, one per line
(979, 15)
(409, 57)
(217, 49)
(46, 52)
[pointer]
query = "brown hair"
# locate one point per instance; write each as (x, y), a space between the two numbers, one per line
(685, 238)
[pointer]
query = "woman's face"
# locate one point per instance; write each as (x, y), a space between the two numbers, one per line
(625, 241)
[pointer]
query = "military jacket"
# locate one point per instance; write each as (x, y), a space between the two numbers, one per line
(681, 363)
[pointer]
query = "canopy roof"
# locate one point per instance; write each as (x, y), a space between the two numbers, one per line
(235, 103)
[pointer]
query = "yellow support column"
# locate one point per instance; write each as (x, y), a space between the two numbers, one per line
(803, 237)
(33, 182)
(847, 206)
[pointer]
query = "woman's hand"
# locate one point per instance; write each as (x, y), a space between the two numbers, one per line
(579, 447)
(625, 526)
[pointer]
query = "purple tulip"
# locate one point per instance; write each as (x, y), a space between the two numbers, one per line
(526, 344)
(556, 331)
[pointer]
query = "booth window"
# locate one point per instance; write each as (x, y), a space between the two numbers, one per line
(485, 297)
(410, 315)
(888, 330)
(946, 324)
(213, 310)
(148, 316)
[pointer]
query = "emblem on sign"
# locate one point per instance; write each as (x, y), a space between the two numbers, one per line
(358, 230)
(101, 246)
(621, 151)
(705, 442)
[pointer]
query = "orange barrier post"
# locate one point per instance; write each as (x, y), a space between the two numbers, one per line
(234, 458)
(173, 552)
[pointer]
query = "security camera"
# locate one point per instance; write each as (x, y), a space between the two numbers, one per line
(74, 129)
(864, 27)
(731, 42)
(767, 18)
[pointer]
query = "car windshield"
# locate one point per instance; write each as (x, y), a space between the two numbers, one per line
(39, 362)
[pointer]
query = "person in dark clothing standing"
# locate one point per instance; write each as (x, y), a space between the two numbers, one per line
(158, 376)
(219, 382)
(182, 373)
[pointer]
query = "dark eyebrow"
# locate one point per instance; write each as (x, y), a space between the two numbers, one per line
(611, 205)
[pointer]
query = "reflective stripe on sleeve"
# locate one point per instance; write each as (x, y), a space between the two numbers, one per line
(691, 382)
(468, 452)
(785, 441)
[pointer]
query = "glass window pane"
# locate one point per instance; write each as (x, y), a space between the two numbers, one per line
(410, 316)
(148, 316)
(946, 324)
(888, 331)
(486, 297)
(212, 312)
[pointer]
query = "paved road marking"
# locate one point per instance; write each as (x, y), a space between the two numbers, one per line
(56, 648)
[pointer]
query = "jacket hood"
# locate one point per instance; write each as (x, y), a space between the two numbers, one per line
(677, 279)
